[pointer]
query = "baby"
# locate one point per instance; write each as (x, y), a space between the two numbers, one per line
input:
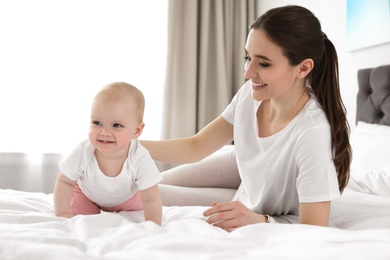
(111, 171)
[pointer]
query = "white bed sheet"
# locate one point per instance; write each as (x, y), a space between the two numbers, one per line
(29, 230)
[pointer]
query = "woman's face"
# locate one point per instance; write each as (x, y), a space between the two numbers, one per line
(269, 70)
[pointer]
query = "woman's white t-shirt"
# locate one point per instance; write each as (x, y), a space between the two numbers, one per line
(292, 166)
(139, 172)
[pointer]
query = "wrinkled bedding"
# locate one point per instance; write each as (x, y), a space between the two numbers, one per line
(29, 230)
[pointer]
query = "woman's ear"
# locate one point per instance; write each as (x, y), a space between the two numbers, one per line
(138, 130)
(305, 67)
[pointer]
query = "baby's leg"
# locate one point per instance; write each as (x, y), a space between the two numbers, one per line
(214, 179)
(81, 205)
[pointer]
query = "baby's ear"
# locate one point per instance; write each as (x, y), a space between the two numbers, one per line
(138, 130)
(305, 67)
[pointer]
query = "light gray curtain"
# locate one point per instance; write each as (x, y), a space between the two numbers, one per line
(205, 67)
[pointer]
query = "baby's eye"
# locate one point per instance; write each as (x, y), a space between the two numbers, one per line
(96, 123)
(116, 125)
(264, 65)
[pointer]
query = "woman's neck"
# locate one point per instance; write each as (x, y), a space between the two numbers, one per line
(274, 114)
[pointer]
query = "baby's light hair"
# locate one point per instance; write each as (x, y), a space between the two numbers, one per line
(124, 92)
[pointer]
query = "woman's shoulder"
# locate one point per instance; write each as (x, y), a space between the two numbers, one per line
(244, 90)
(244, 97)
(313, 115)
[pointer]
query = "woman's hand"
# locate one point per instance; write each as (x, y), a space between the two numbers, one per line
(231, 215)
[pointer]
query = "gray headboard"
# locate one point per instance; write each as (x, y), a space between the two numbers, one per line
(373, 99)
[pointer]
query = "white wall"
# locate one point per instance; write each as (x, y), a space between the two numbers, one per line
(332, 15)
(56, 55)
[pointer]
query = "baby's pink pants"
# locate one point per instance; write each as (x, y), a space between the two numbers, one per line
(81, 205)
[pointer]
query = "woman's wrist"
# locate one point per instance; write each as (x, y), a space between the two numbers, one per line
(269, 219)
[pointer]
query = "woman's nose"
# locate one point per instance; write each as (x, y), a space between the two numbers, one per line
(249, 71)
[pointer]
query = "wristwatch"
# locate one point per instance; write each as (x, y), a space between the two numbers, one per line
(269, 219)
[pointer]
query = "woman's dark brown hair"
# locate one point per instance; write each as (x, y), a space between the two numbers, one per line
(298, 32)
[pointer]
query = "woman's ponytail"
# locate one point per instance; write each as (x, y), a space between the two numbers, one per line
(325, 84)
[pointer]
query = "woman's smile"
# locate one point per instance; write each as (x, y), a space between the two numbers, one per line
(258, 86)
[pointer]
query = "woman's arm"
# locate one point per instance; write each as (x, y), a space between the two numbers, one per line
(63, 191)
(234, 214)
(316, 213)
(191, 149)
(152, 204)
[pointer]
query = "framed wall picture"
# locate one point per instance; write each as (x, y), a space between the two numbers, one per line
(368, 23)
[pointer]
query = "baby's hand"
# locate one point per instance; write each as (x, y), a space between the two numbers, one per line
(66, 215)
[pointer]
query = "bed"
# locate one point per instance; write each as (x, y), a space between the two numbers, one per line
(359, 228)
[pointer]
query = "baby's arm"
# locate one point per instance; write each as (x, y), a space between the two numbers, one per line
(151, 201)
(63, 191)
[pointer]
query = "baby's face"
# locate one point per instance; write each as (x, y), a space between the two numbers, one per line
(113, 126)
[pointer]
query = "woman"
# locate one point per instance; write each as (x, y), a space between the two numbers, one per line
(288, 124)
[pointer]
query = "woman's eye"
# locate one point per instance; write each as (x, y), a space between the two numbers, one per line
(96, 123)
(116, 125)
(264, 65)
